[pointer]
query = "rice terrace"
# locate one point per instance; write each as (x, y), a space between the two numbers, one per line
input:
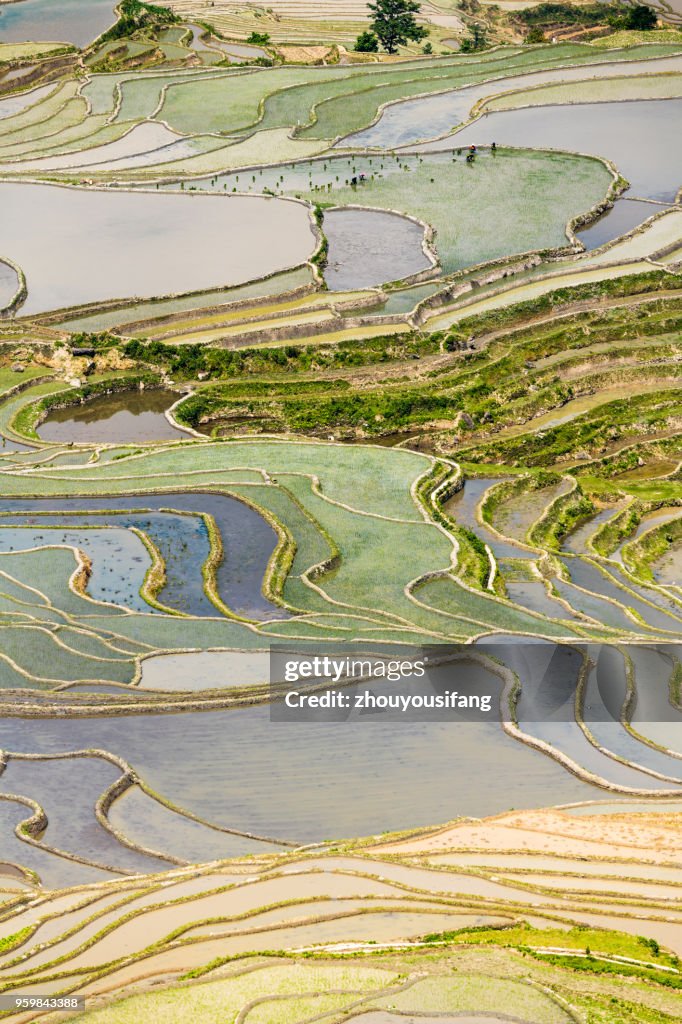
(341, 512)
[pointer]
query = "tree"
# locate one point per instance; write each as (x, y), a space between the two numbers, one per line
(476, 41)
(393, 23)
(135, 16)
(535, 35)
(641, 18)
(366, 42)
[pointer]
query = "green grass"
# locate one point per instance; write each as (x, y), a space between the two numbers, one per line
(18, 408)
(630, 38)
(653, 545)
(598, 940)
(9, 379)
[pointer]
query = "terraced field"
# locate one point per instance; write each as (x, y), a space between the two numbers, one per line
(324, 357)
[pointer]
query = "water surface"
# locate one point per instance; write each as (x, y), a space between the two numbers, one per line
(119, 558)
(635, 136)
(395, 775)
(462, 507)
(625, 215)
(427, 117)
(67, 21)
(248, 542)
(111, 245)
(9, 284)
(117, 418)
(370, 247)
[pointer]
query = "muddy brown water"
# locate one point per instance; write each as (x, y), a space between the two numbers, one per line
(119, 418)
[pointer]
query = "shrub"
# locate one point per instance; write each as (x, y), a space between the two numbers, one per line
(366, 42)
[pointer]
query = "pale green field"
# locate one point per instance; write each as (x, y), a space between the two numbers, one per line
(533, 194)
(650, 87)
(227, 997)
(23, 51)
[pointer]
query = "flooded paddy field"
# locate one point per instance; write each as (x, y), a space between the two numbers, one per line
(667, 570)
(462, 507)
(532, 594)
(624, 215)
(586, 575)
(369, 247)
(119, 418)
(416, 120)
(515, 518)
(132, 313)
(463, 203)
(53, 871)
(67, 790)
(9, 284)
(604, 129)
(119, 558)
(421, 761)
(363, 551)
(205, 670)
(654, 715)
(68, 21)
(658, 517)
(253, 801)
(148, 823)
(132, 232)
(576, 541)
(248, 541)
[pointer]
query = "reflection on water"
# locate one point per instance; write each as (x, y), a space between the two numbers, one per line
(332, 778)
(248, 542)
(625, 215)
(462, 507)
(652, 166)
(9, 283)
(117, 418)
(67, 790)
(119, 558)
(409, 121)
